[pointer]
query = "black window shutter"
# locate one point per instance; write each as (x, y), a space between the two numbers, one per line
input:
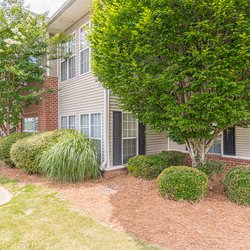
(229, 141)
(117, 138)
(142, 139)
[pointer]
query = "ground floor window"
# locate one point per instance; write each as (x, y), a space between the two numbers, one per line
(30, 125)
(72, 122)
(91, 125)
(129, 137)
(216, 148)
(68, 122)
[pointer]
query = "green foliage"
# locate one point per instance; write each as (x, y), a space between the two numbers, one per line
(26, 152)
(73, 158)
(182, 183)
(237, 185)
(185, 61)
(212, 167)
(151, 166)
(5, 146)
(24, 46)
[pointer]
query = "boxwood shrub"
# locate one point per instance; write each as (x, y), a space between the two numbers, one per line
(72, 159)
(182, 183)
(151, 166)
(237, 185)
(26, 153)
(5, 146)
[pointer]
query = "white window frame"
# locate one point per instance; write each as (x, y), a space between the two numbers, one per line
(80, 50)
(124, 138)
(30, 131)
(90, 130)
(67, 126)
(67, 60)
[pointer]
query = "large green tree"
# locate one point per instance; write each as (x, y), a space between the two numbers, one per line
(178, 65)
(24, 48)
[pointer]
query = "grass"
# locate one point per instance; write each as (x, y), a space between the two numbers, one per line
(37, 218)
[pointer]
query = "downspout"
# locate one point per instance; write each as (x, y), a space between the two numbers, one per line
(105, 163)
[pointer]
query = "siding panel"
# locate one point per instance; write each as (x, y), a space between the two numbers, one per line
(177, 147)
(242, 142)
(156, 143)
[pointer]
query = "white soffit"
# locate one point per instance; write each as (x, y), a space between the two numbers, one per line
(68, 14)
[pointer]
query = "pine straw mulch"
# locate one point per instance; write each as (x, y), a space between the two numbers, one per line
(134, 205)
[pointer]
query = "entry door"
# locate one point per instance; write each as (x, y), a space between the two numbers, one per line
(128, 138)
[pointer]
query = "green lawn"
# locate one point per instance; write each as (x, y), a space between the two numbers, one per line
(37, 218)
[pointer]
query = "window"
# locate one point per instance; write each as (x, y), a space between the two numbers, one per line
(84, 51)
(64, 122)
(85, 124)
(90, 125)
(216, 148)
(72, 122)
(64, 69)
(72, 59)
(30, 124)
(129, 131)
(68, 67)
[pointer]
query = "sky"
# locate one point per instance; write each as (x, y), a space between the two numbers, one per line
(41, 6)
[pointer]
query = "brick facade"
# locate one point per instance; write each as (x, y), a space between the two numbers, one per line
(229, 161)
(47, 110)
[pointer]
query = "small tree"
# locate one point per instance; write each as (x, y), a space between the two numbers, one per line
(178, 65)
(24, 47)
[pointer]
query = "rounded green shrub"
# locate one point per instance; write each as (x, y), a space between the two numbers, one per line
(5, 146)
(151, 166)
(73, 158)
(26, 152)
(182, 183)
(237, 185)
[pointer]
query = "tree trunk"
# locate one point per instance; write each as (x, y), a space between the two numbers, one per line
(198, 149)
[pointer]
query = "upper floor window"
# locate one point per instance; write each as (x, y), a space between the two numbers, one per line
(84, 50)
(30, 125)
(68, 66)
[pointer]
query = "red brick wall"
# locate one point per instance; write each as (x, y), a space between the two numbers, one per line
(47, 110)
(229, 161)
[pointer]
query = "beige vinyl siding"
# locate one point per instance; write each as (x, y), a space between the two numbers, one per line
(155, 143)
(177, 147)
(53, 68)
(242, 136)
(81, 94)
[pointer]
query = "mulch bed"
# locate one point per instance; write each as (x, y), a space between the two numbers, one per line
(134, 205)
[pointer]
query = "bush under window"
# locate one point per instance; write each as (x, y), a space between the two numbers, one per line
(73, 158)
(151, 166)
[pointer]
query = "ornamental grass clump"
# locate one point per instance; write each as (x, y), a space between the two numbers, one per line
(5, 146)
(72, 159)
(237, 185)
(182, 183)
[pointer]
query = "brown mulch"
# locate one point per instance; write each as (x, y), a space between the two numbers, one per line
(135, 206)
